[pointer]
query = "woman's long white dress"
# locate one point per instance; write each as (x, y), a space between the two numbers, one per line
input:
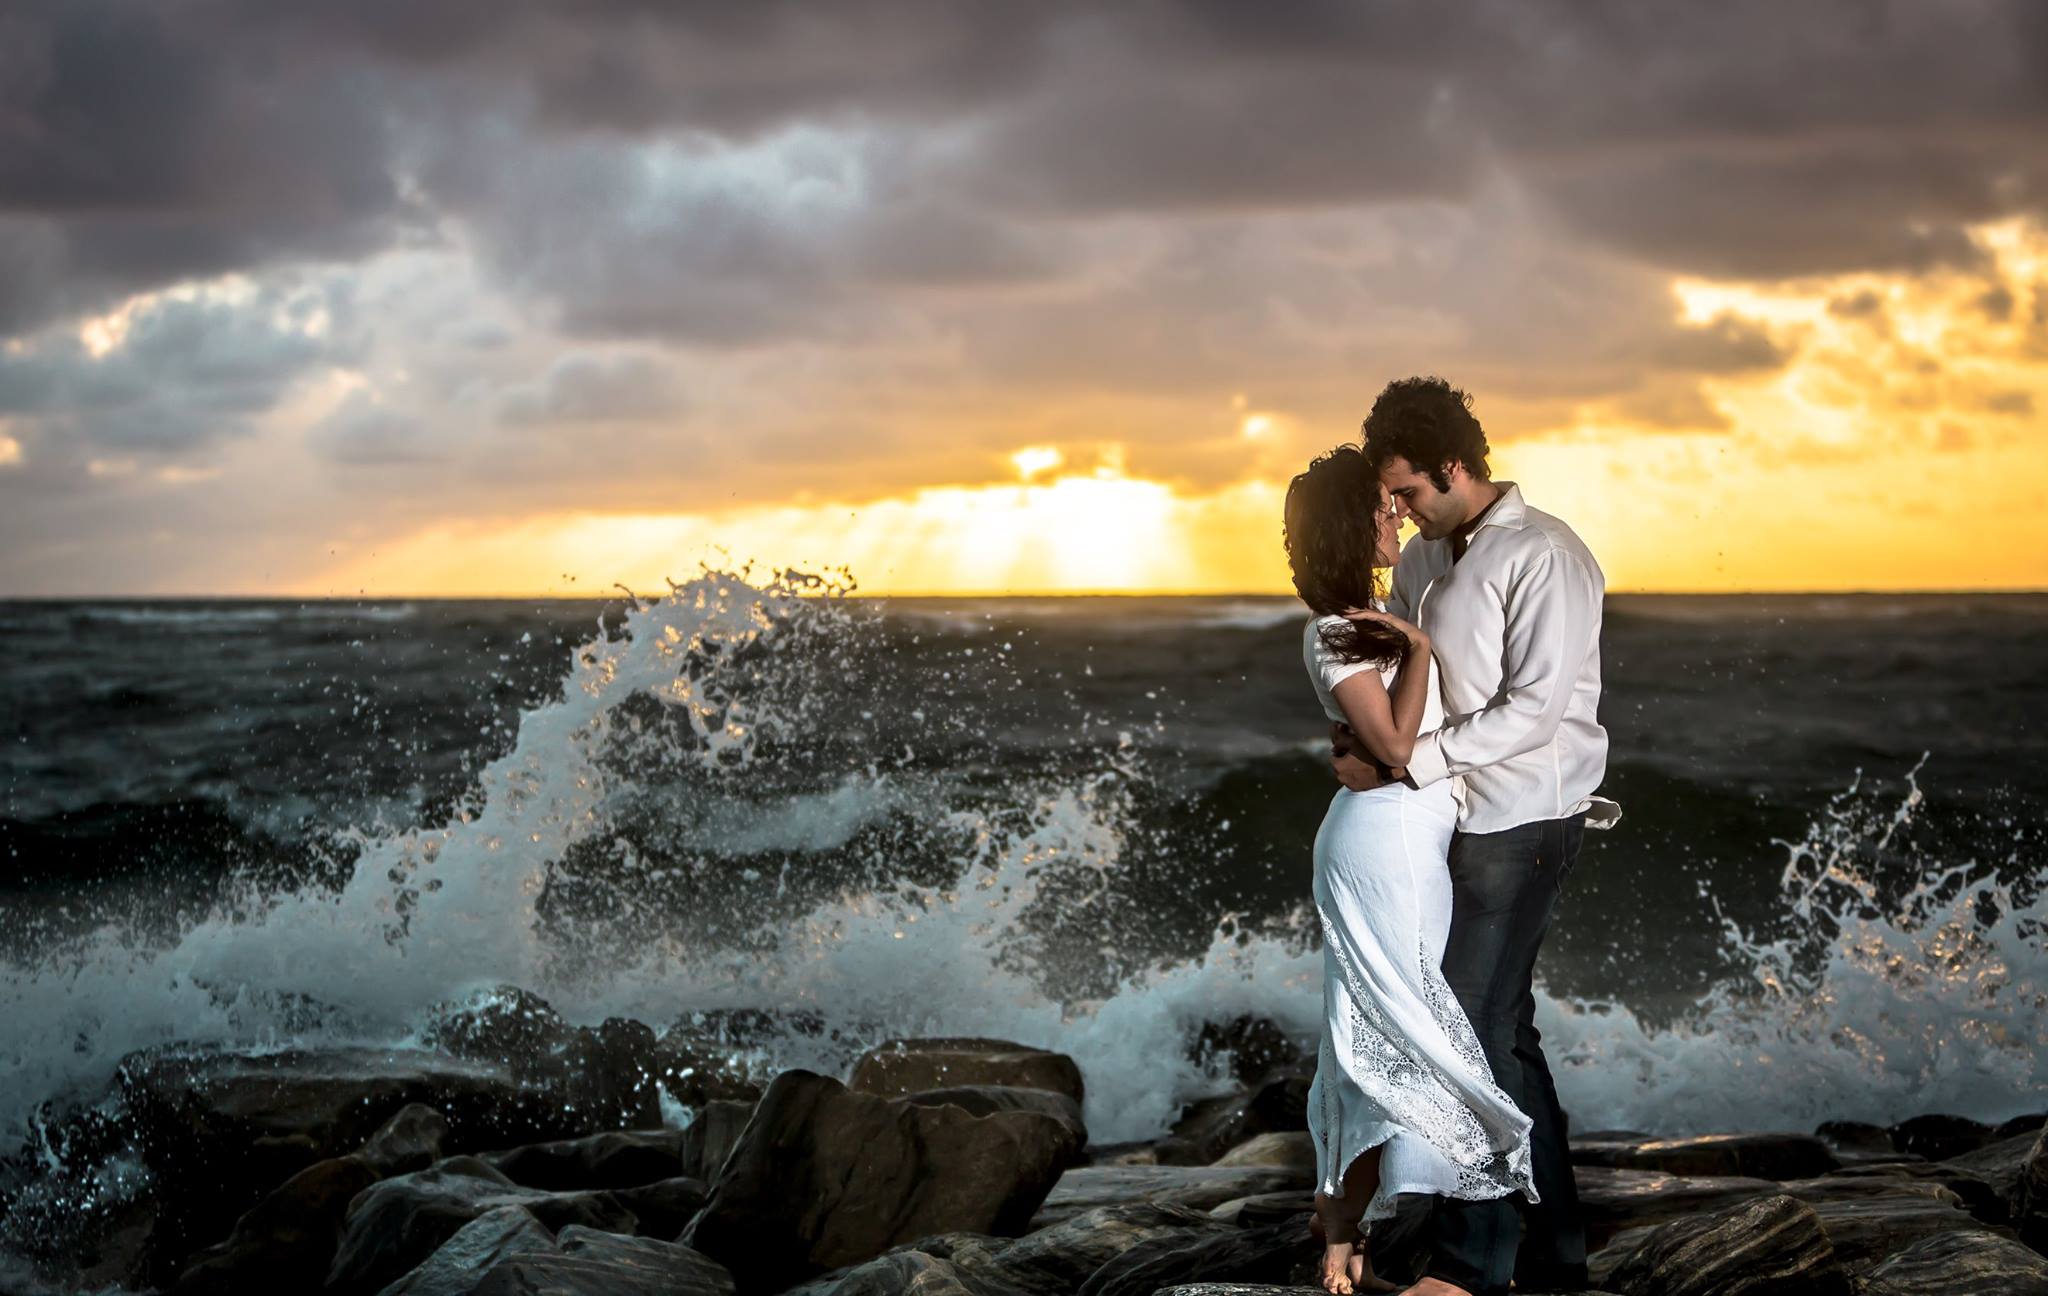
(1399, 1063)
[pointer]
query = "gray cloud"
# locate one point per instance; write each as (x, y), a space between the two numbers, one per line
(583, 387)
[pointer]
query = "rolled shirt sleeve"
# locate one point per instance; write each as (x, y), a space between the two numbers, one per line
(1552, 621)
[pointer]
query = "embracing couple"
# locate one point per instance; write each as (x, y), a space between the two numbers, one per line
(1463, 694)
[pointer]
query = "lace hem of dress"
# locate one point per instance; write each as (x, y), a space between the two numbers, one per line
(1414, 1092)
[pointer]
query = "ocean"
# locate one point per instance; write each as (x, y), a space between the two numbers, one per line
(1079, 823)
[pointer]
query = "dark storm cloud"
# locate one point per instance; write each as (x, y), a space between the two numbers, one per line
(186, 373)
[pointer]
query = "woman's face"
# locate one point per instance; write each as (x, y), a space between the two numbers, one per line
(1387, 531)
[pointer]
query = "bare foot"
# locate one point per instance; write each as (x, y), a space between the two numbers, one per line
(1363, 1279)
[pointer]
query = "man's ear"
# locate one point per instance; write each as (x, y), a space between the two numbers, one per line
(1454, 472)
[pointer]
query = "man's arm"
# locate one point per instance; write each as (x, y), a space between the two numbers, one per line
(1553, 616)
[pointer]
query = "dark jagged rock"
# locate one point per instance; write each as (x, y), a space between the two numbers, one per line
(461, 1264)
(1135, 1152)
(661, 1210)
(1864, 1231)
(1248, 1046)
(1209, 1128)
(710, 1137)
(983, 1099)
(2002, 1165)
(1856, 1141)
(1286, 1150)
(1274, 1253)
(1939, 1137)
(288, 1238)
(2030, 1205)
(619, 1159)
(2030, 1123)
(1976, 1194)
(1265, 1208)
(598, 1262)
(394, 1225)
(1200, 1188)
(243, 1124)
(607, 1074)
(1753, 1156)
(1765, 1246)
(1613, 1200)
(907, 1066)
(1056, 1260)
(825, 1176)
(711, 1055)
(908, 1273)
(1965, 1260)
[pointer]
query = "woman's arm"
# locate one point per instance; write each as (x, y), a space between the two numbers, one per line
(1386, 722)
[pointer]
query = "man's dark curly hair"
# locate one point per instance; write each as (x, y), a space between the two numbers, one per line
(1330, 528)
(1429, 423)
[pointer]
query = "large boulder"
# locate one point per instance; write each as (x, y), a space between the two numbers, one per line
(1863, 1231)
(1273, 1253)
(825, 1176)
(1056, 1260)
(618, 1159)
(1207, 1129)
(909, 1273)
(1963, 1260)
(986, 1099)
(2030, 1205)
(1285, 1150)
(1612, 1200)
(1752, 1156)
(603, 1077)
(712, 1134)
(2006, 1166)
(1764, 1246)
(288, 1238)
(907, 1066)
(461, 1264)
(1201, 1188)
(394, 1225)
(1939, 1137)
(1976, 1194)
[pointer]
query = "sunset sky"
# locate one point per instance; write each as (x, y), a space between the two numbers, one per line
(401, 298)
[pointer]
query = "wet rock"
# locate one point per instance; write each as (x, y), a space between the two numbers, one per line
(394, 1225)
(1056, 1260)
(1209, 1128)
(413, 1139)
(1854, 1141)
(289, 1237)
(2030, 1205)
(1245, 1048)
(623, 1266)
(907, 1066)
(1200, 1188)
(712, 1055)
(619, 1159)
(605, 1075)
(1753, 1156)
(1135, 1152)
(1945, 1264)
(826, 1176)
(460, 1265)
(1612, 1200)
(1864, 1231)
(1265, 1208)
(982, 1100)
(709, 1138)
(2030, 1123)
(1292, 1150)
(241, 1125)
(1939, 1137)
(908, 1273)
(2003, 1166)
(1274, 1253)
(285, 1241)
(661, 1210)
(1765, 1246)
(1976, 1194)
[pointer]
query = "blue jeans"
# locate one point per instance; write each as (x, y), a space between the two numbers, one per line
(1504, 886)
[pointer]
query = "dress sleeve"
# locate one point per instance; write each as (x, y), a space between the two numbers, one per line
(1328, 670)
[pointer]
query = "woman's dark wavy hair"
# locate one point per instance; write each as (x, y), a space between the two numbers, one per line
(1332, 537)
(1429, 423)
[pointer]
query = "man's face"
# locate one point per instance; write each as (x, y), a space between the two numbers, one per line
(1416, 498)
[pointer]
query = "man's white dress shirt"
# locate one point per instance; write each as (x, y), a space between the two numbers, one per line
(1516, 627)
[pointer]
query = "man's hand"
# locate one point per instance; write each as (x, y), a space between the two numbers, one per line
(1355, 767)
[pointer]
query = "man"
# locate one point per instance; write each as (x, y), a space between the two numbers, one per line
(1511, 599)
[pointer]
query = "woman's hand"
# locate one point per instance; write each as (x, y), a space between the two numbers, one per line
(1417, 640)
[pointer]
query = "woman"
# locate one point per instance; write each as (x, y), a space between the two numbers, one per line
(1403, 1100)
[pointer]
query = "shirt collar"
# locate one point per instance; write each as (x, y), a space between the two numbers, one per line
(1507, 511)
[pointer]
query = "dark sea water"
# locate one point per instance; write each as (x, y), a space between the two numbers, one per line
(1083, 823)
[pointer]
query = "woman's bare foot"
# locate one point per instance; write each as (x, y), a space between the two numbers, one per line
(1346, 1268)
(1435, 1287)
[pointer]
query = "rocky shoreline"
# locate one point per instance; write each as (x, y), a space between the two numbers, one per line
(511, 1152)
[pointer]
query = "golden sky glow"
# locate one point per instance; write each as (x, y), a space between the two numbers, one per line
(1900, 447)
